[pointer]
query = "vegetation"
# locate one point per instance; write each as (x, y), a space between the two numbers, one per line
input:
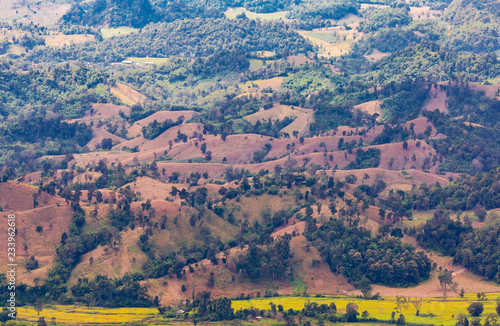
(347, 250)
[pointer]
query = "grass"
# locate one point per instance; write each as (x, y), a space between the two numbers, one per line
(299, 286)
(231, 13)
(119, 31)
(434, 310)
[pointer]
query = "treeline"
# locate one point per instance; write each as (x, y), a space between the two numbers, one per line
(38, 129)
(261, 6)
(474, 26)
(155, 128)
(467, 148)
(63, 89)
(105, 292)
(134, 13)
(189, 38)
(436, 62)
(476, 249)
(271, 262)
(384, 18)
(389, 40)
(464, 193)
(315, 14)
(353, 252)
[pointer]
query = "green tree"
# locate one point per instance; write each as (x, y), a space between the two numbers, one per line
(475, 309)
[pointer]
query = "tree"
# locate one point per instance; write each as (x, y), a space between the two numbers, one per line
(401, 303)
(351, 311)
(417, 303)
(480, 213)
(365, 287)
(38, 306)
(475, 309)
(107, 144)
(445, 279)
(498, 307)
(462, 320)
(401, 320)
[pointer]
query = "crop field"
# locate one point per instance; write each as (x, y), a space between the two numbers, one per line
(433, 311)
(79, 315)
(119, 31)
(233, 12)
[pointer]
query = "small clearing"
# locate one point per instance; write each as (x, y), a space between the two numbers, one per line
(376, 55)
(370, 107)
(231, 13)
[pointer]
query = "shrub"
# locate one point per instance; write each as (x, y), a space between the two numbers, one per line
(475, 309)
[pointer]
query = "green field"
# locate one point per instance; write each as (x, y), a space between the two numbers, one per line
(119, 31)
(434, 310)
(233, 12)
(324, 36)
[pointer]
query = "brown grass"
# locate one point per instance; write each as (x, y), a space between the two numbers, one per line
(436, 100)
(59, 40)
(104, 112)
(55, 220)
(160, 116)
(489, 90)
(113, 261)
(376, 55)
(99, 135)
(303, 118)
(43, 12)
(371, 107)
(295, 60)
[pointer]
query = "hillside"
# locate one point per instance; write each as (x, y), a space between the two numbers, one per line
(251, 162)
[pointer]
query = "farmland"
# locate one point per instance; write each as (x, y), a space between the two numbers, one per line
(433, 310)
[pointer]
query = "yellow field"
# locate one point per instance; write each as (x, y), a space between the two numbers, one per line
(86, 315)
(119, 31)
(444, 312)
(433, 311)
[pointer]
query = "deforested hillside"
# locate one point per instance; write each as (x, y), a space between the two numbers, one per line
(262, 162)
